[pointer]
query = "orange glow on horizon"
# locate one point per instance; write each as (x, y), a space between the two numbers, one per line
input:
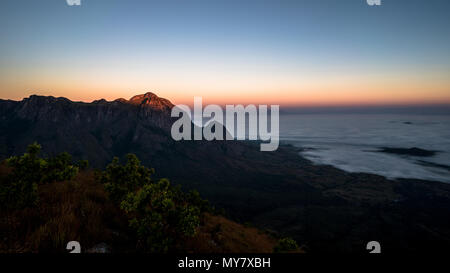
(284, 98)
(290, 90)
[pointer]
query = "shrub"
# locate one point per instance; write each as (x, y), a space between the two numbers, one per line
(28, 171)
(83, 164)
(158, 217)
(20, 188)
(160, 214)
(59, 168)
(119, 179)
(194, 198)
(286, 245)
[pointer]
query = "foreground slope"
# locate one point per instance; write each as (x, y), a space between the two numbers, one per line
(80, 210)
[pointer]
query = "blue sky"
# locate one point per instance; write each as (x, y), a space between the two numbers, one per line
(226, 49)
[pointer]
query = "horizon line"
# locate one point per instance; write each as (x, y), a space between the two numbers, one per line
(285, 105)
(349, 108)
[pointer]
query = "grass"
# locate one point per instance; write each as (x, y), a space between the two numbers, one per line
(80, 210)
(220, 235)
(76, 210)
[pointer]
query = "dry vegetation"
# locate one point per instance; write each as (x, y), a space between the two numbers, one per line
(70, 210)
(81, 210)
(218, 234)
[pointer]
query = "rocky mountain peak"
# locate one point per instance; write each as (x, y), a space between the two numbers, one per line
(151, 100)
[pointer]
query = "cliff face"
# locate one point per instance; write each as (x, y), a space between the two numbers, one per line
(148, 108)
(97, 130)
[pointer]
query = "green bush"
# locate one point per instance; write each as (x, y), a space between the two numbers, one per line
(286, 245)
(20, 188)
(28, 171)
(59, 168)
(119, 179)
(194, 198)
(83, 164)
(160, 214)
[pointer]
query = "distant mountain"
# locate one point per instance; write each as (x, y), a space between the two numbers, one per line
(324, 208)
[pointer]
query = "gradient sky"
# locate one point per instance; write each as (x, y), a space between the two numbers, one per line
(311, 52)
